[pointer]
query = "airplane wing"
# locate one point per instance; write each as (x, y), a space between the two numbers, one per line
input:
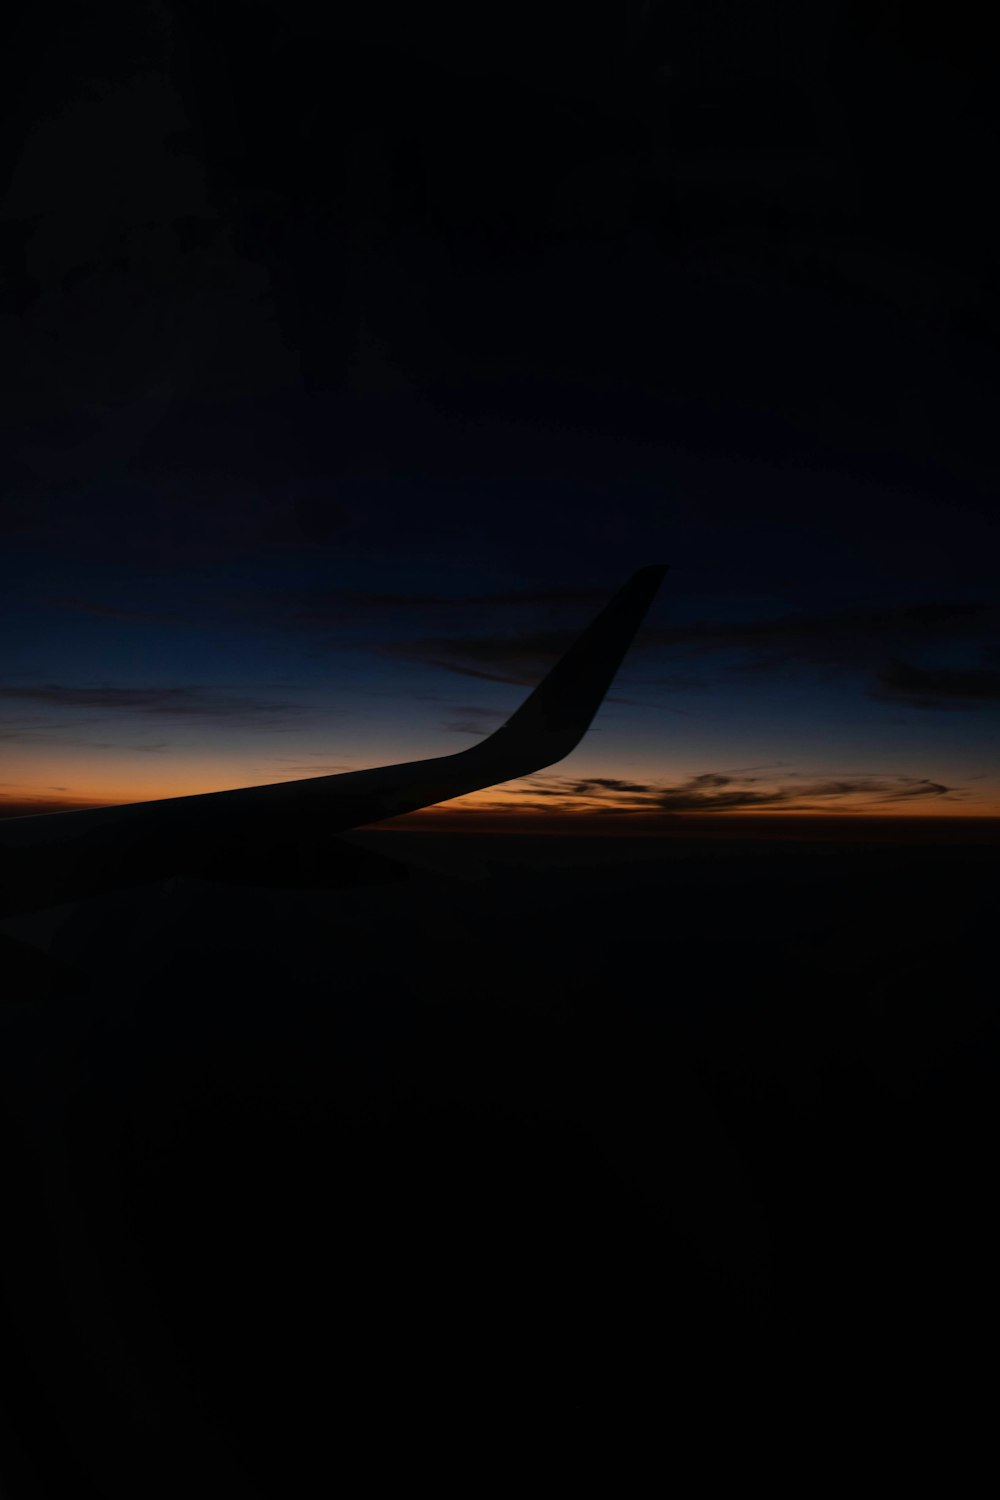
(258, 832)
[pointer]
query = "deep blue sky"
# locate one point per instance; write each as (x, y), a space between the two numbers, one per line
(348, 374)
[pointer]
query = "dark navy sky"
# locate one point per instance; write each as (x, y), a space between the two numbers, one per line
(349, 367)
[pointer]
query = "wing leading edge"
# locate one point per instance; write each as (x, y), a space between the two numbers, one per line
(56, 857)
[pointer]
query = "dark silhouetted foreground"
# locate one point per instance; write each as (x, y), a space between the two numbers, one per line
(613, 1144)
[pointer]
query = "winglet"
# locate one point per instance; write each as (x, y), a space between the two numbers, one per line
(552, 721)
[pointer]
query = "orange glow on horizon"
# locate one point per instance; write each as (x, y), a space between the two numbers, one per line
(55, 780)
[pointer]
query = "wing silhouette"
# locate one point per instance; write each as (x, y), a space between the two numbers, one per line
(285, 832)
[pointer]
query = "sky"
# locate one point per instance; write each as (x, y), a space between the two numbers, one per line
(350, 368)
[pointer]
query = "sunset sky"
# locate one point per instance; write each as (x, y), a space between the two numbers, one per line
(306, 470)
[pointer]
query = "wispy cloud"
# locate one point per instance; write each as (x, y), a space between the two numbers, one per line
(839, 629)
(521, 659)
(717, 791)
(938, 687)
(868, 642)
(113, 611)
(182, 702)
(472, 719)
(880, 645)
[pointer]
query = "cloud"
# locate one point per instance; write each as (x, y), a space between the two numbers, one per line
(610, 784)
(475, 720)
(697, 799)
(170, 702)
(520, 659)
(844, 637)
(867, 642)
(716, 791)
(919, 789)
(113, 612)
(938, 687)
(851, 640)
